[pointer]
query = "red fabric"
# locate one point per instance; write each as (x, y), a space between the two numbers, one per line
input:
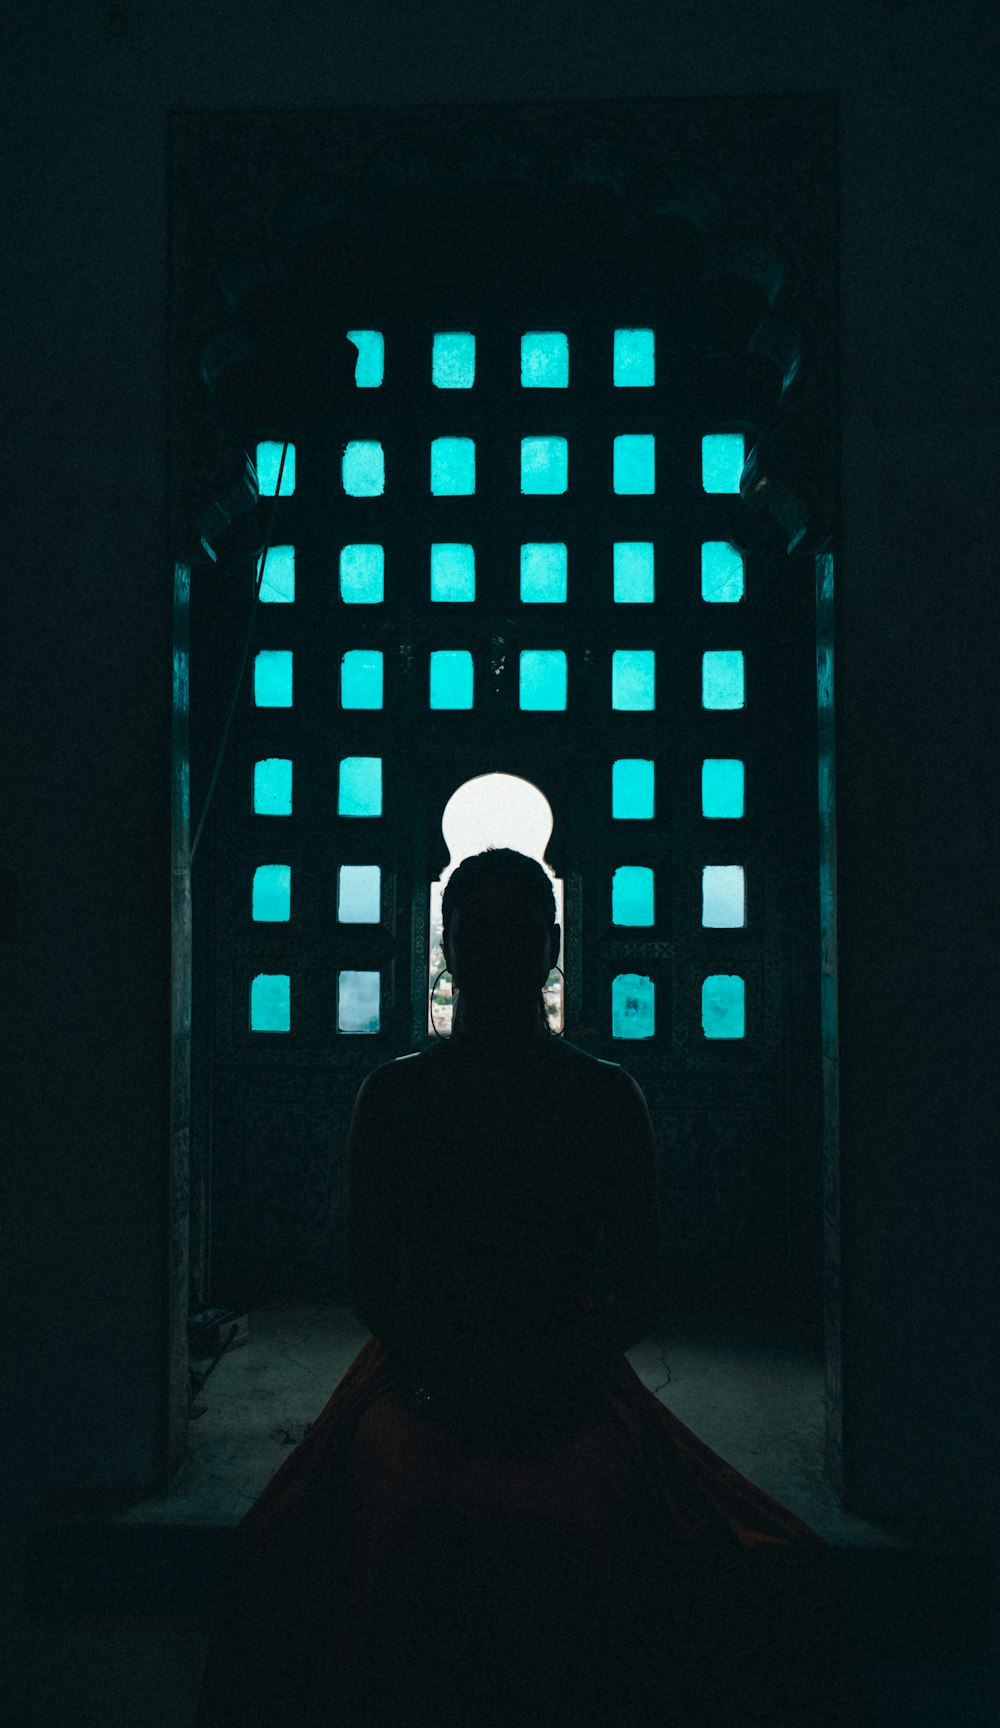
(629, 1575)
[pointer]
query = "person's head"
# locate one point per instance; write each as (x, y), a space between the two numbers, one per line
(501, 938)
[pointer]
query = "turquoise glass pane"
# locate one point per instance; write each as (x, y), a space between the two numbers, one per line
(369, 369)
(362, 575)
(267, 465)
(722, 786)
(543, 571)
(453, 571)
(278, 581)
(270, 1002)
(453, 467)
(721, 572)
(722, 1006)
(722, 458)
(723, 902)
(632, 895)
(359, 891)
(453, 361)
(633, 679)
(543, 678)
(722, 679)
(544, 465)
(363, 468)
(632, 789)
(632, 1006)
(272, 893)
(359, 792)
(634, 358)
(361, 678)
(545, 360)
(357, 1001)
(451, 678)
(633, 561)
(635, 462)
(272, 678)
(272, 786)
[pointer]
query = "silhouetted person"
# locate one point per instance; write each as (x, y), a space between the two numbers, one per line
(493, 1522)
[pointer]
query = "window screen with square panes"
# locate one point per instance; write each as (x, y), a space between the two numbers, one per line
(511, 576)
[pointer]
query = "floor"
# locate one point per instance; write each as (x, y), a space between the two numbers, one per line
(751, 1395)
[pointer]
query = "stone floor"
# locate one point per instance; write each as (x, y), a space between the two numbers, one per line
(750, 1394)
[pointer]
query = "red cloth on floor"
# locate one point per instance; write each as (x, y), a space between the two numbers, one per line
(390, 1573)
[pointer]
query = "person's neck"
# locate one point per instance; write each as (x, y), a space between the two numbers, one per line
(492, 1024)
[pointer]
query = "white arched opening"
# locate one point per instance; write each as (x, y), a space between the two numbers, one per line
(491, 810)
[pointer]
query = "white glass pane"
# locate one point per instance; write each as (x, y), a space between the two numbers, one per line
(359, 890)
(723, 903)
(357, 1001)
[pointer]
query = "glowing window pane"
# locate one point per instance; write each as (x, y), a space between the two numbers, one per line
(453, 571)
(451, 678)
(633, 560)
(632, 895)
(632, 789)
(543, 571)
(545, 360)
(272, 678)
(722, 1006)
(722, 458)
(369, 369)
(722, 679)
(723, 897)
(363, 468)
(633, 679)
(359, 891)
(721, 572)
(359, 792)
(453, 362)
(272, 786)
(722, 786)
(544, 465)
(270, 1002)
(632, 1006)
(361, 678)
(357, 1001)
(267, 465)
(543, 678)
(635, 462)
(634, 361)
(362, 575)
(453, 467)
(272, 893)
(278, 581)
